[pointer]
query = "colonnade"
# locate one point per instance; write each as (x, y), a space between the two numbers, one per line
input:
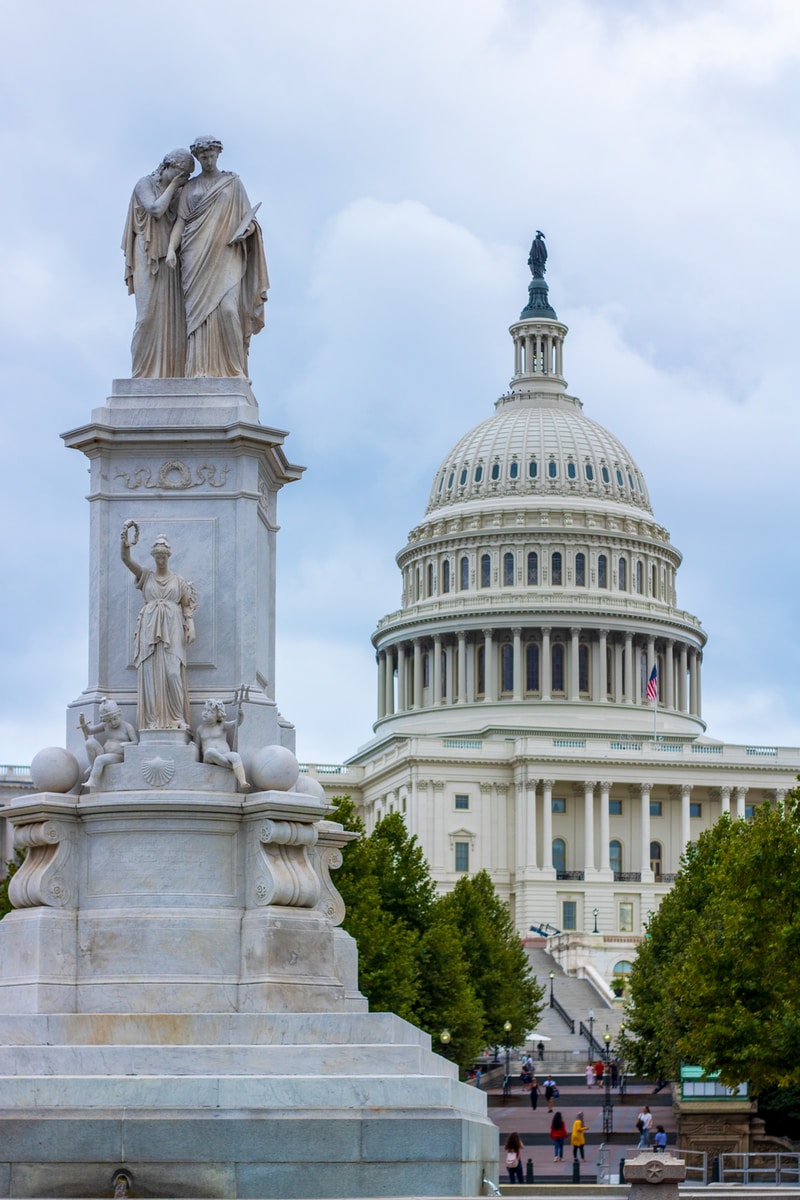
(490, 665)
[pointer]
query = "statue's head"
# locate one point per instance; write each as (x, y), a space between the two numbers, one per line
(206, 142)
(160, 547)
(181, 161)
(108, 708)
(214, 709)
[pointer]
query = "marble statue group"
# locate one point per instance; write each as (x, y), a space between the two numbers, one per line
(194, 260)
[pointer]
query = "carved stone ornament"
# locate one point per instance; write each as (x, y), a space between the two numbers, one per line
(42, 878)
(286, 874)
(158, 771)
(174, 475)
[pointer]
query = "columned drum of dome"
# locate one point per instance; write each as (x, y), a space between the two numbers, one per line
(538, 590)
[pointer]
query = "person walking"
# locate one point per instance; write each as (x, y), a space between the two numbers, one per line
(590, 1074)
(558, 1132)
(550, 1091)
(513, 1148)
(643, 1123)
(661, 1140)
(534, 1091)
(578, 1136)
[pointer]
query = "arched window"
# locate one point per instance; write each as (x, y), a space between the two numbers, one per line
(655, 859)
(462, 479)
(444, 674)
(580, 570)
(507, 667)
(602, 571)
(555, 568)
(486, 571)
(609, 673)
(430, 579)
(532, 667)
(533, 569)
(639, 580)
(615, 856)
(572, 470)
(559, 855)
(588, 471)
(552, 469)
(446, 575)
(464, 573)
(495, 472)
(623, 967)
(508, 570)
(623, 575)
(653, 579)
(419, 584)
(478, 474)
(513, 469)
(426, 670)
(481, 670)
(583, 669)
(533, 468)
(557, 656)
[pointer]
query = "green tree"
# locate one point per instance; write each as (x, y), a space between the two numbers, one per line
(11, 870)
(716, 981)
(498, 965)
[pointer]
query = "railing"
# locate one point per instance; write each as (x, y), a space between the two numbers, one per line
(706, 749)
(562, 1012)
(324, 768)
(461, 744)
(595, 1049)
(767, 751)
(569, 874)
(760, 1167)
(696, 1166)
(627, 876)
(14, 772)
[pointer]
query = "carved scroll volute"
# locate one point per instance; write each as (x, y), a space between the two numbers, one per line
(327, 856)
(44, 877)
(286, 875)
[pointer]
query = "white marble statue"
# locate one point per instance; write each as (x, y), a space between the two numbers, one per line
(217, 243)
(115, 734)
(212, 738)
(163, 631)
(158, 348)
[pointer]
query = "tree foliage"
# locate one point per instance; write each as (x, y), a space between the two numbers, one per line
(451, 962)
(715, 982)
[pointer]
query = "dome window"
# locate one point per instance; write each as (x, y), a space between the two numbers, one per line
(639, 481)
(620, 480)
(450, 480)
(464, 573)
(555, 569)
(446, 575)
(441, 484)
(495, 472)
(588, 470)
(533, 569)
(508, 570)
(513, 470)
(533, 468)
(507, 668)
(623, 575)
(552, 468)
(532, 667)
(486, 571)
(630, 481)
(557, 669)
(602, 571)
(583, 669)
(463, 477)
(580, 570)
(606, 475)
(478, 474)
(639, 579)
(572, 470)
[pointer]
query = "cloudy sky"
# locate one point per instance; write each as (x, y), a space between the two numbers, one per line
(404, 155)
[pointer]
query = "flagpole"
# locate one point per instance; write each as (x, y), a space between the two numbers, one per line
(655, 712)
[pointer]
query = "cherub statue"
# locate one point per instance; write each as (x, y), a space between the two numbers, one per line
(117, 733)
(212, 738)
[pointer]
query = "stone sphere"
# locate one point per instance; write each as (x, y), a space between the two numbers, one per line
(55, 770)
(308, 786)
(273, 768)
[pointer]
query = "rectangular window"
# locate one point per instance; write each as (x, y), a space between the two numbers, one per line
(626, 916)
(749, 809)
(462, 856)
(615, 808)
(655, 808)
(462, 802)
(695, 809)
(569, 914)
(558, 805)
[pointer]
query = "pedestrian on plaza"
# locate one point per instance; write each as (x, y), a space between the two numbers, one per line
(513, 1150)
(614, 1072)
(540, 1051)
(590, 1074)
(661, 1140)
(478, 1077)
(643, 1124)
(578, 1136)
(558, 1132)
(598, 1072)
(550, 1092)
(534, 1091)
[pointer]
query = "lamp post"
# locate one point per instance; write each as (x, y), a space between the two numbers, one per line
(445, 1038)
(591, 1032)
(608, 1109)
(595, 914)
(507, 1079)
(552, 977)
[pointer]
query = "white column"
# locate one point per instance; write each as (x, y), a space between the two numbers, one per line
(546, 666)
(389, 680)
(669, 671)
(686, 828)
(517, 694)
(520, 831)
(618, 681)
(402, 690)
(644, 849)
(436, 674)
(448, 658)
(725, 799)
(605, 861)
(417, 673)
(741, 792)
(462, 667)
(699, 684)
(381, 657)
(682, 668)
(531, 855)
(472, 670)
(490, 666)
(574, 693)
(693, 682)
(602, 673)
(588, 828)
(629, 696)
(547, 825)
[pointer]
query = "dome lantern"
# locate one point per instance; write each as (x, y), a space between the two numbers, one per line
(538, 335)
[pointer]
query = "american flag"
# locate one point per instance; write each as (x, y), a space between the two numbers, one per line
(652, 684)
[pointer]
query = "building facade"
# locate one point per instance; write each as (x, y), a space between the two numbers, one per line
(514, 729)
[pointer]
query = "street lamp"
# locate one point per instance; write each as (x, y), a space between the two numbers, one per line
(507, 1080)
(444, 1038)
(552, 977)
(591, 1032)
(608, 1110)
(595, 914)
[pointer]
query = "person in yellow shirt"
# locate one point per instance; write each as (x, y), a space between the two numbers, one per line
(578, 1136)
